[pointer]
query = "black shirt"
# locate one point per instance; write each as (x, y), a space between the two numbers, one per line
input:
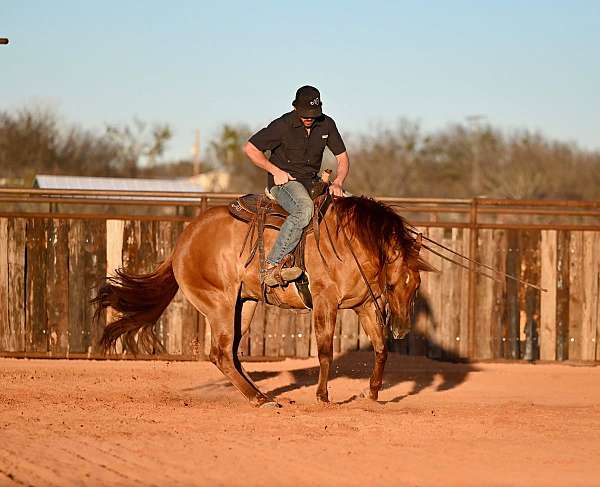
(294, 150)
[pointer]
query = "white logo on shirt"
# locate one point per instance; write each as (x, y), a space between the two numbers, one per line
(324, 136)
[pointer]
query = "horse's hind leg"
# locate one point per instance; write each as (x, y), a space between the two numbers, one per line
(223, 351)
(376, 333)
(244, 314)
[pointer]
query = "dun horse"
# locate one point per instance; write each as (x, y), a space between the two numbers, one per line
(368, 263)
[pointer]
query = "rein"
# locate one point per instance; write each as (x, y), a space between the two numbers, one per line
(473, 261)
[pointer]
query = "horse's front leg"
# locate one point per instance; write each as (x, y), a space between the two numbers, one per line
(368, 320)
(324, 315)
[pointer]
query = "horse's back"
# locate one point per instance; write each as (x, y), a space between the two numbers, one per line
(206, 247)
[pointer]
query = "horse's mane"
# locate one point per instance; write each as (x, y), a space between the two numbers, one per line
(375, 225)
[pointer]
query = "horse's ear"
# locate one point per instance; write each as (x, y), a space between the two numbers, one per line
(423, 265)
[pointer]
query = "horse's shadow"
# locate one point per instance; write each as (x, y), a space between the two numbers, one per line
(422, 372)
(411, 364)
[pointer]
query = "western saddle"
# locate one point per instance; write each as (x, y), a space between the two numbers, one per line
(261, 211)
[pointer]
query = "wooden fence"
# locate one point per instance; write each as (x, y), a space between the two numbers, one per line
(52, 262)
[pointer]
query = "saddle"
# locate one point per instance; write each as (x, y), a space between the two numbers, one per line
(261, 211)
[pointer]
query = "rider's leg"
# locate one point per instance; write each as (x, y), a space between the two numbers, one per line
(294, 198)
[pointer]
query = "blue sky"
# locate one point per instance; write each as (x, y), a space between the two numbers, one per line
(522, 64)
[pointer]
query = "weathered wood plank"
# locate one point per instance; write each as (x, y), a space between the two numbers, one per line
(114, 245)
(79, 339)
(530, 297)
(114, 260)
(597, 303)
(272, 338)
(576, 296)
(257, 331)
(131, 245)
(423, 314)
(447, 335)
(95, 270)
(36, 324)
(287, 333)
(303, 334)
(563, 266)
(434, 296)
(87, 267)
(195, 333)
(548, 299)
(57, 287)
(498, 294)
(512, 349)
(463, 345)
(147, 261)
(349, 330)
(591, 270)
(16, 279)
(484, 298)
(169, 324)
(129, 251)
(5, 328)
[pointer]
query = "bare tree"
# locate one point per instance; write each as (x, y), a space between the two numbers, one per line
(139, 143)
(226, 153)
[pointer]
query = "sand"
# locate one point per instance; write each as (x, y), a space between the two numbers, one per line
(86, 423)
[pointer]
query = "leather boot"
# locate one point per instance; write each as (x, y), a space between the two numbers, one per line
(276, 276)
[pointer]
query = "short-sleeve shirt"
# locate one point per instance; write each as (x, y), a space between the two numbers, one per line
(296, 151)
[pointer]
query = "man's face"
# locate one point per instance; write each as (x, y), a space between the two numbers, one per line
(307, 122)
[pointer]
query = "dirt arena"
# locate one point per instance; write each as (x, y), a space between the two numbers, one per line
(127, 423)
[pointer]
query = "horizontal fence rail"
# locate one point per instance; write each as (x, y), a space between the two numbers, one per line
(57, 246)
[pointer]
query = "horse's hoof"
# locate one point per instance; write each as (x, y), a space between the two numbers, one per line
(322, 400)
(369, 394)
(269, 405)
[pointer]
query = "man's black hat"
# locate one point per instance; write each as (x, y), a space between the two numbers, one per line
(308, 102)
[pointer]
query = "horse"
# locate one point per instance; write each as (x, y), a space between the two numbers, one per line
(369, 262)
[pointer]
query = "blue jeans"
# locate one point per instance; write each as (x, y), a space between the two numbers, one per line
(294, 198)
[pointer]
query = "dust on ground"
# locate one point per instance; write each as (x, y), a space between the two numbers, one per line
(86, 423)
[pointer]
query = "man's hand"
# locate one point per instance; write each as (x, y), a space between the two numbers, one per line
(336, 189)
(281, 177)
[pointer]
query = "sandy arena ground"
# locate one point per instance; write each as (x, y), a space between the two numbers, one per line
(124, 423)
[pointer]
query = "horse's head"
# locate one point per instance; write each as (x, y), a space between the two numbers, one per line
(402, 282)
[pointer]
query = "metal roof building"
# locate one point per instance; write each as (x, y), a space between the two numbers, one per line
(46, 181)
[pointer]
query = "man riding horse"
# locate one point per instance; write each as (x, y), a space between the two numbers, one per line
(296, 140)
(376, 273)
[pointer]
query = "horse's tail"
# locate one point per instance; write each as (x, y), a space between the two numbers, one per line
(139, 300)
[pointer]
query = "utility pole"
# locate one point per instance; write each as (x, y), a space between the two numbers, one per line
(196, 152)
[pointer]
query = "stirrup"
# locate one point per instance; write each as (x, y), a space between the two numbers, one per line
(280, 276)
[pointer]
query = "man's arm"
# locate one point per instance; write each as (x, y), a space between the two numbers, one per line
(258, 159)
(343, 165)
